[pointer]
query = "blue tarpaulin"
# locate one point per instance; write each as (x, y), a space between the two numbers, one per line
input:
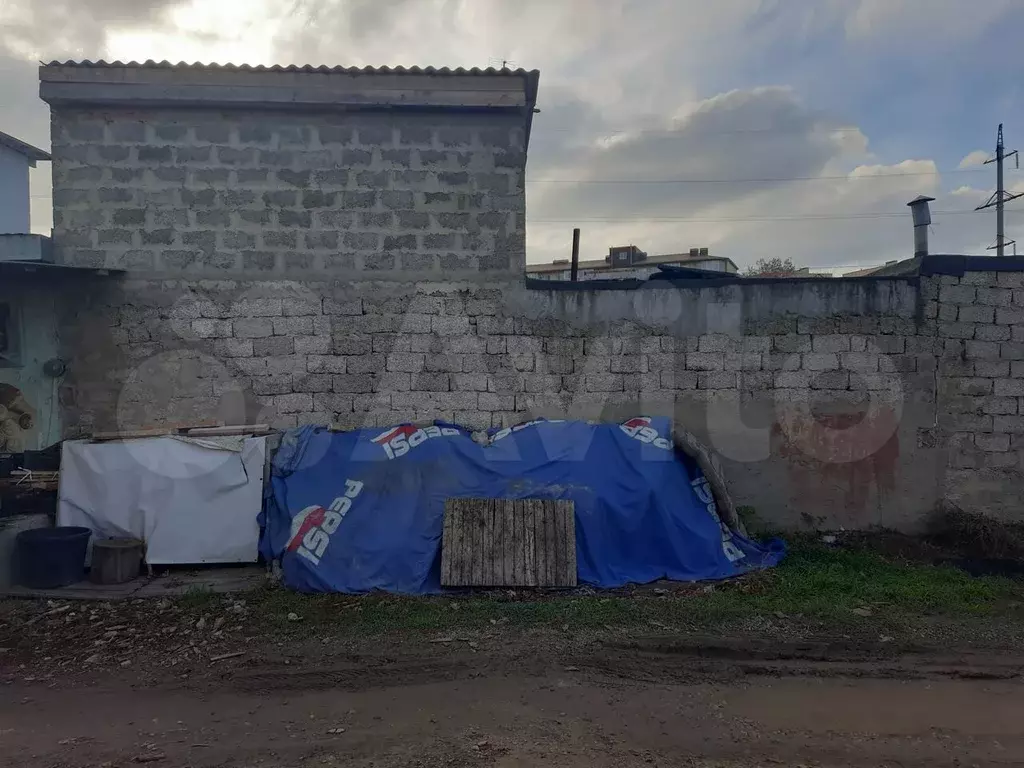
(364, 510)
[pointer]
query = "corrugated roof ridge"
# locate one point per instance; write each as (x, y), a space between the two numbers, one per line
(367, 70)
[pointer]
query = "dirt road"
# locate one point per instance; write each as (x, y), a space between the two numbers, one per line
(526, 703)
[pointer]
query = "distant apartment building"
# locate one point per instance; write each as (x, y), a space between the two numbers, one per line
(629, 262)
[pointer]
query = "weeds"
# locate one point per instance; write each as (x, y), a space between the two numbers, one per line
(197, 597)
(975, 535)
(814, 583)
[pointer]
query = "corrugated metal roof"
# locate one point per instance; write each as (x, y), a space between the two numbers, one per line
(150, 64)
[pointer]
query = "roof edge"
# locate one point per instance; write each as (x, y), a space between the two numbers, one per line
(323, 88)
(33, 154)
(305, 68)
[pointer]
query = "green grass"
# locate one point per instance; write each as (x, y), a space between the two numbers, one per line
(828, 583)
(197, 598)
(813, 583)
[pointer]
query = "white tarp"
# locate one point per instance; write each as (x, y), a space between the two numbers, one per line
(190, 501)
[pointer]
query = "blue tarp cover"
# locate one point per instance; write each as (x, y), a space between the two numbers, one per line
(364, 510)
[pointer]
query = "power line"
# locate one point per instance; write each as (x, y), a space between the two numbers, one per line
(766, 180)
(724, 132)
(838, 177)
(781, 217)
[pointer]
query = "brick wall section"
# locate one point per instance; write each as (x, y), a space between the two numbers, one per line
(980, 325)
(207, 193)
(372, 353)
(940, 361)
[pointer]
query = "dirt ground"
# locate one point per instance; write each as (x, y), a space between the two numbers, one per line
(149, 683)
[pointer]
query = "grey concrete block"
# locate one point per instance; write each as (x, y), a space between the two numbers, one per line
(233, 347)
(993, 368)
(821, 361)
(1011, 424)
(957, 294)
(293, 403)
(791, 343)
(995, 297)
(1012, 316)
(313, 345)
(743, 361)
(328, 363)
(975, 314)
(793, 379)
(1009, 387)
(211, 329)
(273, 346)
(311, 382)
(992, 333)
(981, 350)
(1009, 350)
(132, 131)
(999, 405)
(1010, 279)
(705, 361)
(717, 380)
(831, 380)
(278, 384)
(830, 343)
(969, 422)
(603, 382)
(253, 328)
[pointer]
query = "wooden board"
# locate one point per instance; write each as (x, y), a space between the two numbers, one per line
(189, 430)
(508, 543)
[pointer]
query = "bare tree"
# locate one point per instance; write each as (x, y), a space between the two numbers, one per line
(773, 267)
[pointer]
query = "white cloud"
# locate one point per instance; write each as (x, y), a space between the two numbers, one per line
(974, 159)
(747, 173)
(225, 31)
(665, 90)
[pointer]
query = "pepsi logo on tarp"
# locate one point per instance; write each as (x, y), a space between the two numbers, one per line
(313, 526)
(398, 441)
(702, 488)
(640, 428)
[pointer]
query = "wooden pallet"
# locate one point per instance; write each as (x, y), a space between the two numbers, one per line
(508, 543)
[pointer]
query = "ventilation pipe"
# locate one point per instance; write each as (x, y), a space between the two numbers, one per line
(922, 220)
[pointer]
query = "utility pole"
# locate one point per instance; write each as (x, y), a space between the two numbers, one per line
(1000, 197)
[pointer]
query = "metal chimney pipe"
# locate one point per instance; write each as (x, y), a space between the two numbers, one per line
(574, 267)
(922, 220)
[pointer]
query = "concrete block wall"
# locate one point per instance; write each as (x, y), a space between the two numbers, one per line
(271, 194)
(979, 320)
(816, 413)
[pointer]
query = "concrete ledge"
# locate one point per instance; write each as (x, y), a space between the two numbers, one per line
(957, 265)
(686, 307)
(26, 248)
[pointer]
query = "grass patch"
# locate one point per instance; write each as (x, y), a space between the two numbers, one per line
(825, 582)
(818, 583)
(197, 598)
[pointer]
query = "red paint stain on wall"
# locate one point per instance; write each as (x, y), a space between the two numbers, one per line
(838, 457)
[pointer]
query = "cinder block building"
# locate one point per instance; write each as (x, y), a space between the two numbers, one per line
(273, 227)
(291, 172)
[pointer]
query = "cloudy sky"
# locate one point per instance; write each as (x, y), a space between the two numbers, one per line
(757, 128)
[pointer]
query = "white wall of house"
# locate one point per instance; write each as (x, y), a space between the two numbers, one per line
(14, 192)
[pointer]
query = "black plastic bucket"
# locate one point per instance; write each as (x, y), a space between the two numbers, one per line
(51, 557)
